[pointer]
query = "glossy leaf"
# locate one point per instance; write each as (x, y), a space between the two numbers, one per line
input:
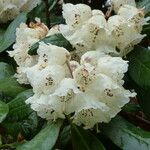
(5, 70)
(139, 72)
(65, 136)
(2, 31)
(139, 66)
(18, 109)
(19, 113)
(28, 126)
(4, 109)
(11, 87)
(84, 140)
(56, 39)
(39, 11)
(45, 139)
(10, 34)
(126, 135)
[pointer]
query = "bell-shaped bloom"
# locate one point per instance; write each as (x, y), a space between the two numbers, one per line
(116, 4)
(134, 15)
(9, 9)
(26, 36)
(124, 34)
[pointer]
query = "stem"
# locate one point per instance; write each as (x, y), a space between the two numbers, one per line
(47, 13)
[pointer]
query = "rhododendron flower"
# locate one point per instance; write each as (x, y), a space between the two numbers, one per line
(116, 4)
(93, 94)
(9, 9)
(88, 89)
(134, 15)
(124, 34)
(93, 27)
(26, 37)
(117, 36)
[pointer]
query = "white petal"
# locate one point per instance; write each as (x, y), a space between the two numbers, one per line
(90, 111)
(51, 54)
(114, 67)
(45, 80)
(76, 15)
(134, 15)
(40, 104)
(118, 3)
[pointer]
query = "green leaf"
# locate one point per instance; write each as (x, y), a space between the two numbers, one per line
(10, 34)
(12, 129)
(10, 86)
(40, 12)
(45, 139)
(4, 109)
(139, 66)
(127, 136)
(56, 39)
(18, 109)
(2, 31)
(65, 136)
(19, 114)
(84, 140)
(144, 3)
(132, 108)
(54, 2)
(139, 72)
(5, 70)
(28, 127)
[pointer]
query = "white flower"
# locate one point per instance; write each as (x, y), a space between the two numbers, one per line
(101, 101)
(92, 32)
(46, 80)
(134, 15)
(97, 12)
(84, 75)
(9, 9)
(113, 67)
(62, 102)
(118, 3)
(73, 65)
(76, 15)
(40, 104)
(124, 34)
(51, 54)
(93, 27)
(66, 96)
(26, 37)
(91, 57)
(21, 75)
(90, 111)
(90, 90)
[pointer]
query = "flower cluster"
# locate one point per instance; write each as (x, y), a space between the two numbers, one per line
(88, 29)
(89, 90)
(26, 36)
(9, 9)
